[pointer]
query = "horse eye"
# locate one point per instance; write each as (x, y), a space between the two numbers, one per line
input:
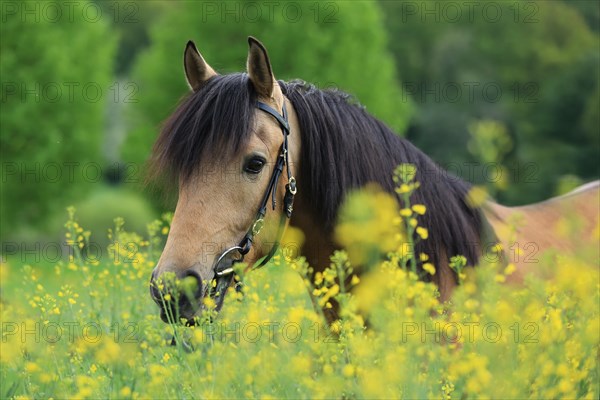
(254, 165)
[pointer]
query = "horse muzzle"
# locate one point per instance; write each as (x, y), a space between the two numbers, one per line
(179, 299)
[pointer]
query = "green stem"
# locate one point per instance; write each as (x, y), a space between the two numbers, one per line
(410, 232)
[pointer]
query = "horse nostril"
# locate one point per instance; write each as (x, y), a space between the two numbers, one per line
(154, 292)
(196, 284)
(176, 298)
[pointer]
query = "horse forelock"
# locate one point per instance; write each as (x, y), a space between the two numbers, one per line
(209, 126)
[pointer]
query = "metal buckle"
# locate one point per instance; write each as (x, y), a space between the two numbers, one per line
(292, 185)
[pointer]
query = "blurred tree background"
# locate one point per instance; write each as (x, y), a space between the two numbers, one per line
(344, 47)
(430, 70)
(52, 115)
(532, 66)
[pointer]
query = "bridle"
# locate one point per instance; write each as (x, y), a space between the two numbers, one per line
(225, 275)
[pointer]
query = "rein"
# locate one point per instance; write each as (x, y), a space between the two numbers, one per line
(225, 275)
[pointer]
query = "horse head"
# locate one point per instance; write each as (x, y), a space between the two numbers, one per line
(232, 145)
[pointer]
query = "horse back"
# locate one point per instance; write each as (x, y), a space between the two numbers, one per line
(567, 224)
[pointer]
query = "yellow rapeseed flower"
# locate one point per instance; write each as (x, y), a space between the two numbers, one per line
(403, 188)
(419, 209)
(406, 212)
(348, 370)
(429, 268)
(510, 268)
(31, 367)
(477, 196)
(422, 232)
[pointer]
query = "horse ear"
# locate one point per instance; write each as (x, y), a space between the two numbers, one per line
(259, 68)
(197, 71)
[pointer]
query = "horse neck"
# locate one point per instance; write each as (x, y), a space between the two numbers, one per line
(346, 157)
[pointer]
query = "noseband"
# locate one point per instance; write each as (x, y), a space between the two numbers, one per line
(225, 275)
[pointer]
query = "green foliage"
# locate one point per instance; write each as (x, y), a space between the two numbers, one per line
(113, 202)
(131, 20)
(339, 44)
(51, 114)
(542, 56)
(88, 329)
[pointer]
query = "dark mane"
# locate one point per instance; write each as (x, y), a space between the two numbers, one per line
(211, 124)
(343, 147)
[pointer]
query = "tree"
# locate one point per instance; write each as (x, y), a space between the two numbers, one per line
(341, 44)
(56, 73)
(528, 65)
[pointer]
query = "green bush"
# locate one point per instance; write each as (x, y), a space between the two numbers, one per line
(55, 85)
(98, 212)
(541, 56)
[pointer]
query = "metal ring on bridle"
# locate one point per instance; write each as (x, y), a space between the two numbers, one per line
(227, 271)
(257, 226)
(292, 184)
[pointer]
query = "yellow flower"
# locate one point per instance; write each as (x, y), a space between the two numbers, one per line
(32, 367)
(301, 364)
(422, 232)
(365, 226)
(109, 352)
(292, 241)
(510, 268)
(404, 188)
(429, 268)
(406, 212)
(209, 302)
(348, 370)
(476, 196)
(565, 385)
(419, 209)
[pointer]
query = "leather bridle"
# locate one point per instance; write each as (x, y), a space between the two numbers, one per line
(225, 275)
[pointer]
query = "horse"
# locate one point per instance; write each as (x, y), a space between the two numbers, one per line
(249, 151)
